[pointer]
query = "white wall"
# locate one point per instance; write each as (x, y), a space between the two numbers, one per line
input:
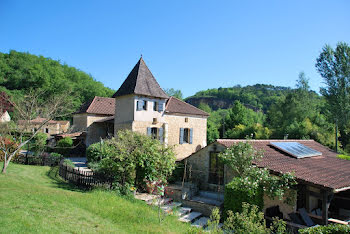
(5, 117)
(149, 114)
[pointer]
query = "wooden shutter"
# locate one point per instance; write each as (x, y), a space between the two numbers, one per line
(191, 135)
(149, 131)
(160, 107)
(181, 136)
(139, 105)
(161, 130)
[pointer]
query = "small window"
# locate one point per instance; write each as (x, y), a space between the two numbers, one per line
(154, 133)
(155, 106)
(186, 120)
(155, 120)
(186, 135)
(141, 105)
(144, 105)
(46, 130)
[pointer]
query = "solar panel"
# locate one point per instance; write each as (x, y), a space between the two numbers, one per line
(296, 149)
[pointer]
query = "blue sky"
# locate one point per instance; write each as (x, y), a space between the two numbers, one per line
(188, 45)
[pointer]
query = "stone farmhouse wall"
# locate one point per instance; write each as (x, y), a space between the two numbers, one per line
(199, 137)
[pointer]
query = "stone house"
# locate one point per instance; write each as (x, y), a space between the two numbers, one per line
(141, 105)
(323, 179)
(51, 127)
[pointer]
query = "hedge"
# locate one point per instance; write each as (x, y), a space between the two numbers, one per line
(331, 228)
(236, 192)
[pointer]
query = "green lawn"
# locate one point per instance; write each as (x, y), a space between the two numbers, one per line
(34, 199)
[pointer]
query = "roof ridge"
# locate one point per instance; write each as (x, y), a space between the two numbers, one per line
(266, 140)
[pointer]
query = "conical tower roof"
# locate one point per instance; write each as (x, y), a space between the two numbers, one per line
(141, 81)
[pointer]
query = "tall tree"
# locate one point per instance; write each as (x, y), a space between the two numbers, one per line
(174, 93)
(334, 66)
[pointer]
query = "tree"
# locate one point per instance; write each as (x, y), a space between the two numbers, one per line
(250, 180)
(132, 159)
(174, 93)
(334, 66)
(27, 108)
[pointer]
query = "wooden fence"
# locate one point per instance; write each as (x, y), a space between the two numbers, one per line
(43, 160)
(82, 177)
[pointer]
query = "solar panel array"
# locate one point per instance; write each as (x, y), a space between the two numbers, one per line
(296, 149)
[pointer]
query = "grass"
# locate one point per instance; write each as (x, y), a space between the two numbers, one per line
(33, 199)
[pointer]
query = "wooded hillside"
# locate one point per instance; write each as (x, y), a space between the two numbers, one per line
(21, 72)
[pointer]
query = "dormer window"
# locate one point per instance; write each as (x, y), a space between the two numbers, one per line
(141, 105)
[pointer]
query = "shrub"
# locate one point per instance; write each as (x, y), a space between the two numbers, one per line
(64, 146)
(250, 220)
(97, 151)
(38, 143)
(331, 228)
(69, 163)
(132, 159)
(237, 192)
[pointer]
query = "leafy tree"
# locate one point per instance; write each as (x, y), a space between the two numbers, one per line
(204, 107)
(132, 159)
(334, 66)
(300, 115)
(174, 93)
(241, 158)
(27, 108)
(239, 114)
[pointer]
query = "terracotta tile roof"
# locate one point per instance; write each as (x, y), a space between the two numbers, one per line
(327, 170)
(176, 106)
(98, 105)
(141, 81)
(72, 135)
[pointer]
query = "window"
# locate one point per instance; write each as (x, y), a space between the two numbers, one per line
(144, 105)
(155, 133)
(155, 120)
(141, 105)
(186, 135)
(46, 130)
(158, 106)
(186, 120)
(216, 169)
(155, 106)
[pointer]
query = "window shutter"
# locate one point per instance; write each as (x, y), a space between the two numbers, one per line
(191, 135)
(139, 105)
(149, 131)
(161, 130)
(181, 135)
(160, 107)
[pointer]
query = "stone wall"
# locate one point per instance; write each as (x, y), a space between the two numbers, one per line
(80, 122)
(199, 125)
(199, 165)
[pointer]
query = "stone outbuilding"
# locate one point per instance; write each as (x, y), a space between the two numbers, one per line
(323, 179)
